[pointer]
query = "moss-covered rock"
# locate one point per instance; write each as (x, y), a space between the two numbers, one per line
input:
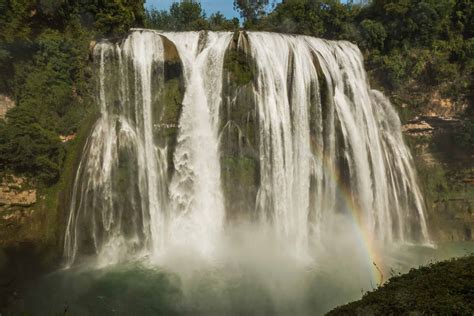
(167, 99)
(237, 61)
(239, 131)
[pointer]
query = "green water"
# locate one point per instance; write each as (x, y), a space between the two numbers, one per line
(264, 283)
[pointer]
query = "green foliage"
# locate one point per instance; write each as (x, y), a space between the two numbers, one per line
(373, 34)
(218, 22)
(251, 10)
(114, 17)
(443, 288)
(321, 18)
(26, 147)
(15, 22)
(413, 28)
(394, 66)
(239, 65)
(188, 16)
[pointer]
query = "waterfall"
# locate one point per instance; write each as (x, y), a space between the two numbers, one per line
(119, 196)
(196, 188)
(164, 169)
(355, 140)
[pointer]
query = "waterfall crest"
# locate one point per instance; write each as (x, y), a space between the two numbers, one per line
(300, 138)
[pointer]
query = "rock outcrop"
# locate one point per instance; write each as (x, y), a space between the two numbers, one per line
(439, 106)
(17, 198)
(456, 218)
(5, 104)
(67, 138)
(15, 191)
(445, 168)
(424, 125)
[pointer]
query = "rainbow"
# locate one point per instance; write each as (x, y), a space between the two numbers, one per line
(364, 234)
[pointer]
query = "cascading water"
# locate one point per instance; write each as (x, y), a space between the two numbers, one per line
(317, 139)
(118, 200)
(311, 144)
(196, 188)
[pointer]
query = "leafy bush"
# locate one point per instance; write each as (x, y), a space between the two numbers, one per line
(373, 34)
(27, 148)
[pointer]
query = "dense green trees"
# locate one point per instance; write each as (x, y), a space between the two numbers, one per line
(328, 18)
(251, 10)
(27, 147)
(420, 42)
(188, 16)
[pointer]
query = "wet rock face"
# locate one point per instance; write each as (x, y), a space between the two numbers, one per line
(239, 131)
(17, 198)
(424, 125)
(445, 168)
(168, 103)
(456, 218)
(442, 107)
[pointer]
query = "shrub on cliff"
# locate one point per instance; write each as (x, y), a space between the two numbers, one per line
(27, 148)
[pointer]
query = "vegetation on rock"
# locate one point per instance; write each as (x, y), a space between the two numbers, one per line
(240, 66)
(45, 69)
(443, 288)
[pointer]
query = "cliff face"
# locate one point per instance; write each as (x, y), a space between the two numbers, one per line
(17, 198)
(239, 130)
(445, 167)
(445, 171)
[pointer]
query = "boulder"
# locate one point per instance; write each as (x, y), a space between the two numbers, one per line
(418, 128)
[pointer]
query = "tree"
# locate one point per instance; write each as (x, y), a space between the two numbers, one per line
(373, 34)
(251, 10)
(218, 22)
(183, 16)
(188, 16)
(321, 18)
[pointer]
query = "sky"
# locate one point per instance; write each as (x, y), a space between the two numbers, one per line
(226, 7)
